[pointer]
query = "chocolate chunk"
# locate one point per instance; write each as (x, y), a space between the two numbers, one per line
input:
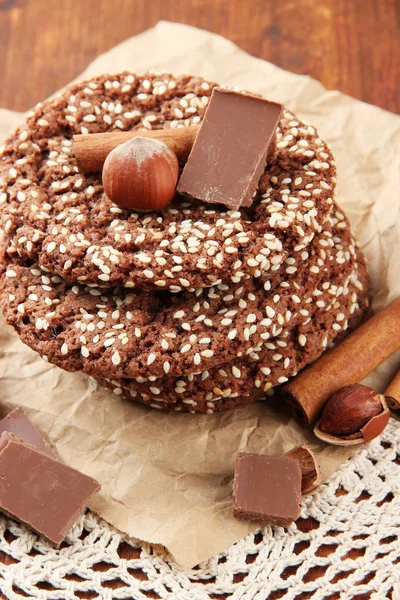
(40, 491)
(267, 489)
(230, 151)
(17, 423)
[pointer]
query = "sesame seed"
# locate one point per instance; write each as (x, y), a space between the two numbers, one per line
(197, 359)
(226, 322)
(302, 339)
(270, 312)
(166, 367)
(116, 359)
(252, 262)
(236, 372)
(265, 371)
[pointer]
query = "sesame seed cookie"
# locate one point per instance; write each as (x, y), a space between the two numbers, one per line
(250, 379)
(62, 220)
(195, 308)
(175, 346)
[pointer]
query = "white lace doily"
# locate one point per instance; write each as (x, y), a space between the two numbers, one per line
(345, 545)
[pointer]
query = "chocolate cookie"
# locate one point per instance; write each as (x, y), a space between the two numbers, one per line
(61, 219)
(169, 345)
(245, 380)
(195, 308)
(136, 333)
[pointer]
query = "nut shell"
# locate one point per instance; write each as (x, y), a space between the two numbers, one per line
(141, 174)
(375, 426)
(349, 409)
(310, 473)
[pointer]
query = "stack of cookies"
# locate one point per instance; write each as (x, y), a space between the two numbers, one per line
(193, 308)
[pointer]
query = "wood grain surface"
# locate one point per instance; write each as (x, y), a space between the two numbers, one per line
(350, 45)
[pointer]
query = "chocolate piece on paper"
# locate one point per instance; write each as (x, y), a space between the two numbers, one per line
(267, 489)
(40, 491)
(229, 154)
(17, 423)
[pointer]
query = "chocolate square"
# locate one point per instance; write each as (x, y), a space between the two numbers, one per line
(230, 152)
(267, 489)
(40, 491)
(18, 423)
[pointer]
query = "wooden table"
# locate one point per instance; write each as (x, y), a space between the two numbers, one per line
(349, 45)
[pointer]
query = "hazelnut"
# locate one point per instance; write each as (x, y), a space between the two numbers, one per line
(353, 415)
(349, 409)
(141, 174)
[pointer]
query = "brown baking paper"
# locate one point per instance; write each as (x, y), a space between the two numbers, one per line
(167, 478)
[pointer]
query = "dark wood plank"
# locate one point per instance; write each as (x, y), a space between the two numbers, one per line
(348, 45)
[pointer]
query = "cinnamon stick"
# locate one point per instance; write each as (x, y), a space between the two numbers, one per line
(392, 395)
(349, 362)
(92, 149)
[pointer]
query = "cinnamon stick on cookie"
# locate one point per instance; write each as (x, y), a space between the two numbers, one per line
(91, 150)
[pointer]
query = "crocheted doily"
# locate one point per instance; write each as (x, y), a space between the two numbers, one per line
(346, 544)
